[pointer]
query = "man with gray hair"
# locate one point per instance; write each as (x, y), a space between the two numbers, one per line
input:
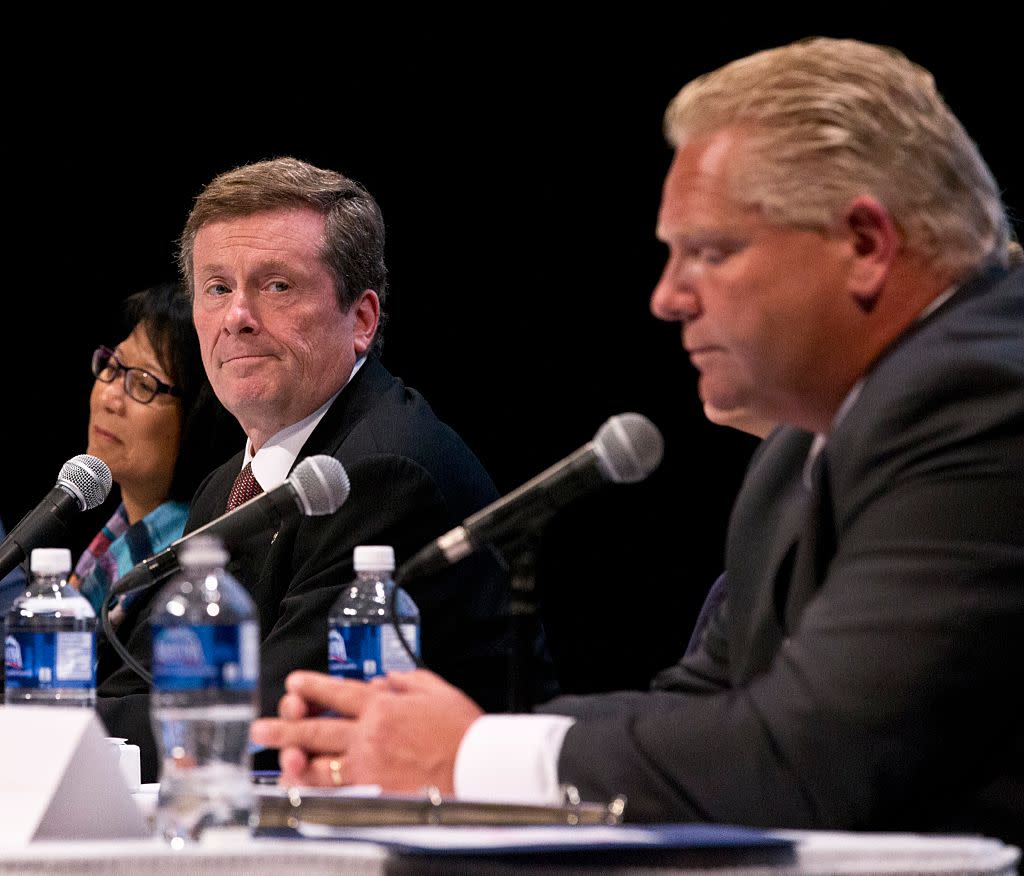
(837, 261)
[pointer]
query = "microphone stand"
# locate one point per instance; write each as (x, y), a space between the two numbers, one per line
(521, 557)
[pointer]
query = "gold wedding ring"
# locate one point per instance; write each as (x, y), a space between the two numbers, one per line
(335, 767)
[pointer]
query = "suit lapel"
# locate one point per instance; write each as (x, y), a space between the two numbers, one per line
(270, 560)
(761, 550)
(816, 547)
(354, 402)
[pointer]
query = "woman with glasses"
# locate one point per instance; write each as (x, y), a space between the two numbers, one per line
(154, 420)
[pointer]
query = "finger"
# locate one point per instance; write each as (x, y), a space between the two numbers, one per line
(328, 771)
(413, 680)
(400, 682)
(377, 682)
(294, 766)
(262, 730)
(314, 735)
(344, 696)
(293, 707)
(325, 771)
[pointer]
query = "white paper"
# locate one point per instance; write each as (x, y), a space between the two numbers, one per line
(61, 778)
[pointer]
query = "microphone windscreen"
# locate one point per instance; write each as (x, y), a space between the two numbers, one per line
(321, 483)
(629, 447)
(88, 477)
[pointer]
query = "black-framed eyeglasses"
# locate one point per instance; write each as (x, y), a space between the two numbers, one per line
(140, 385)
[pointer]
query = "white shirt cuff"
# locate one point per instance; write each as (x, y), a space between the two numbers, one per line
(511, 759)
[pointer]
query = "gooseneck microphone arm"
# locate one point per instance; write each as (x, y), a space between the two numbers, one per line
(122, 651)
(626, 449)
(319, 485)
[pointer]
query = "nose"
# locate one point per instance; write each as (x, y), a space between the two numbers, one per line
(112, 394)
(242, 316)
(675, 298)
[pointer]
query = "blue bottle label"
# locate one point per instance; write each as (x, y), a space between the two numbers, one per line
(200, 657)
(45, 661)
(366, 650)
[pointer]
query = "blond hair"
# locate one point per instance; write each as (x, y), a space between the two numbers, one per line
(829, 119)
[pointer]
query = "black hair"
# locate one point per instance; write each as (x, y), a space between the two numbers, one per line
(209, 434)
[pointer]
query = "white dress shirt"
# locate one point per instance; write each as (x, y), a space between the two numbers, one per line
(272, 462)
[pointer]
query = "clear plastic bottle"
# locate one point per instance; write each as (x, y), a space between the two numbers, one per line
(361, 640)
(205, 693)
(50, 638)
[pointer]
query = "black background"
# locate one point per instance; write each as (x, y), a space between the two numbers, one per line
(518, 166)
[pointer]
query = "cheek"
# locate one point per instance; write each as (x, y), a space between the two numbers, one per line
(314, 340)
(157, 446)
(94, 400)
(171, 435)
(205, 325)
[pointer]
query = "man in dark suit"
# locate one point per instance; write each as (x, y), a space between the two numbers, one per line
(838, 264)
(286, 266)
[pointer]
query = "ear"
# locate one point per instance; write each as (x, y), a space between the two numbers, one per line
(875, 242)
(366, 310)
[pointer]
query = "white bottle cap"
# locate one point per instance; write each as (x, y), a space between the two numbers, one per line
(51, 561)
(203, 550)
(374, 557)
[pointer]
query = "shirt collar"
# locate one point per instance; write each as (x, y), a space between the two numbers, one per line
(272, 462)
(820, 438)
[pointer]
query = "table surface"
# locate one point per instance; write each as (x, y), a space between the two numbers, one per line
(235, 852)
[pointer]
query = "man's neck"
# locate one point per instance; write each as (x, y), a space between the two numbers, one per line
(912, 293)
(264, 432)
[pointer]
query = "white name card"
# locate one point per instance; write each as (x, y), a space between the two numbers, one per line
(60, 779)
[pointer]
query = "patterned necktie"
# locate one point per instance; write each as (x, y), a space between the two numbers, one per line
(244, 488)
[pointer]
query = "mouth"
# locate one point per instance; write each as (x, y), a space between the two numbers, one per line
(697, 352)
(244, 359)
(104, 435)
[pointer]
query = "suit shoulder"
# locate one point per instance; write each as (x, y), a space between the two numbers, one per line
(946, 401)
(403, 423)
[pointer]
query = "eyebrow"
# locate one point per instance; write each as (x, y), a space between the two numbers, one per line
(154, 369)
(269, 265)
(700, 234)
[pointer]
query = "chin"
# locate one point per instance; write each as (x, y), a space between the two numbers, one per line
(115, 473)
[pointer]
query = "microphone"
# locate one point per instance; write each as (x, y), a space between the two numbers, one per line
(319, 485)
(83, 483)
(626, 449)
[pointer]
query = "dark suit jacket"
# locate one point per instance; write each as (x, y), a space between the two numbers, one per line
(866, 670)
(412, 478)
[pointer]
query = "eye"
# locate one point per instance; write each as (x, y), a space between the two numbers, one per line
(145, 384)
(279, 286)
(711, 255)
(216, 289)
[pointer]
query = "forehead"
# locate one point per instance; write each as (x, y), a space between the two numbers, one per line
(273, 234)
(698, 190)
(138, 350)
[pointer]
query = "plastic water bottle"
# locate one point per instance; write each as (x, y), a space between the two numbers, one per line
(361, 639)
(50, 638)
(205, 692)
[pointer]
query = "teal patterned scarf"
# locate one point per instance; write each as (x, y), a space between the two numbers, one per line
(118, 547)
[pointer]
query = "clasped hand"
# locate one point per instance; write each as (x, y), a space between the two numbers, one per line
(401, 731)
